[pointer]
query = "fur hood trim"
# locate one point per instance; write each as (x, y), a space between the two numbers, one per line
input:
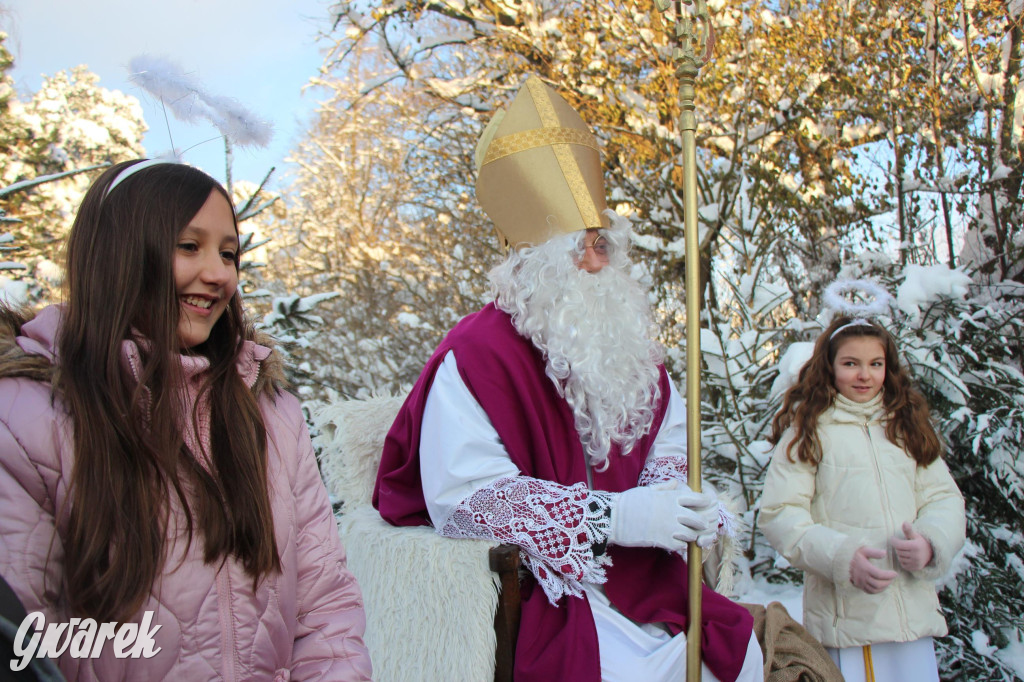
(14, 362)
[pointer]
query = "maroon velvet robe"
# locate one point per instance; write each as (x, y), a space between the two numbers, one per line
(505, 373)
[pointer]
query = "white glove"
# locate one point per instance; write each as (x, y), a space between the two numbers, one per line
(661, 516)
(709, 513)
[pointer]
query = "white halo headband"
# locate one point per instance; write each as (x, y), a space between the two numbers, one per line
(878, 304)
(132, 170)
(834, 299)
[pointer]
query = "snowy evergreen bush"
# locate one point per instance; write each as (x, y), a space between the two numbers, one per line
(966, 356)
(741, 355)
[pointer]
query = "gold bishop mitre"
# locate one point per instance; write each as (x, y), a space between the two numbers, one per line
(539, 169)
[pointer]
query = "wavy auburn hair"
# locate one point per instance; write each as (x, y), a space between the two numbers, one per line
(130, 454)
(907, 421)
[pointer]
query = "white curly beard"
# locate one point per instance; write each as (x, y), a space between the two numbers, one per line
(595, 331)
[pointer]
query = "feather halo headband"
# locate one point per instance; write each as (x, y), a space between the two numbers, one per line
(835, 298)
(185, 96)
(189, 101)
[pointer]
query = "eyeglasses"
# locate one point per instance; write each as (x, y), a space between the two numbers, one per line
(600, 247)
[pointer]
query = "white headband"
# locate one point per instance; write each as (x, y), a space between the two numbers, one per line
(857, 322)
(132, 170)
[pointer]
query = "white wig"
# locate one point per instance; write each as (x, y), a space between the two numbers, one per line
(595, 330)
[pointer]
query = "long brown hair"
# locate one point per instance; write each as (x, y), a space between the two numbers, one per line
(907, 421)
(128, 445)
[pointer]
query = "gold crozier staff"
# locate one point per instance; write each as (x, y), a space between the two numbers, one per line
(694, 39)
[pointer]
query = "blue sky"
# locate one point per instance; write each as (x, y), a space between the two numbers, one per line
(260, 52)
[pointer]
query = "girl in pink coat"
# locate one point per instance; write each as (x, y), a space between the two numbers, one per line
(163, 514)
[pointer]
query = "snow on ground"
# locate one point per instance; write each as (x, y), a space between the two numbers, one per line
(760, 591)
(1013, 655)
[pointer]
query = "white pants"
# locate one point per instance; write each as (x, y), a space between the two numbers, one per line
(892, 661)
(642, 651)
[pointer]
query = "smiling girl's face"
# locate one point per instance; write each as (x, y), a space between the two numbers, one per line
(205, 271)
(859, 367)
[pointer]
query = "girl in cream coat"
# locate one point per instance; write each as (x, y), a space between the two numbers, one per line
(858, 497)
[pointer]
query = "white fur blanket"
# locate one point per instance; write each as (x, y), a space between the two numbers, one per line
(351, 440)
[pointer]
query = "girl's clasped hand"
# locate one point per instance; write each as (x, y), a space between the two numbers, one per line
(913, 552)
(866, 575)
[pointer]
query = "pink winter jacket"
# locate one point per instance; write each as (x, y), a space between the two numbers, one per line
(304, 623)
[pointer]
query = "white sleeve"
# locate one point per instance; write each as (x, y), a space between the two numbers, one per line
(460, 452)
(667, 460)
(473, 490)
(790, 527)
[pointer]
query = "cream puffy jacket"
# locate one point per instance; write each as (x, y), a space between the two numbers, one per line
(861, 492)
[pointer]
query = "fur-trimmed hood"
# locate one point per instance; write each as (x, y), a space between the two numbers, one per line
(28, 343)
(15, 362)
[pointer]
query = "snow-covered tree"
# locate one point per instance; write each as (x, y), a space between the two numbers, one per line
(994, 242)
(381, 212)
(69, 124)
(963, 342)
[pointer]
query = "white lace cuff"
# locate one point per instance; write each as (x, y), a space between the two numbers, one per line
(556, 528)
(662, 469)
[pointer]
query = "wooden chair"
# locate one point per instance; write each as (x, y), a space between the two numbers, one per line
(436, 608)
